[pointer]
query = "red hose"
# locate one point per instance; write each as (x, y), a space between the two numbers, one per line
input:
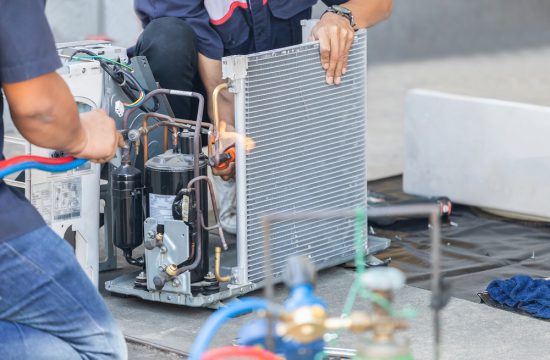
(239, 352)
(40, 159)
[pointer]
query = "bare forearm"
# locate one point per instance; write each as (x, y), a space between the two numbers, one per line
(369, 12)
(44, 112)
(211, 76)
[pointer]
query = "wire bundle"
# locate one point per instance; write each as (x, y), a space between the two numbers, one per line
(25, 162)
(122, 74)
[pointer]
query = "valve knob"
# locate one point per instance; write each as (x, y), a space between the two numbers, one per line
(299, 271)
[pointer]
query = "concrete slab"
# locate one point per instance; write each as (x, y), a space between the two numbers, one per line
(470, 330)
(520, 76)
(445, 132)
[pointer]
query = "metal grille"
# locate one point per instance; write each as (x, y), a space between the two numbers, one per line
(310, 153)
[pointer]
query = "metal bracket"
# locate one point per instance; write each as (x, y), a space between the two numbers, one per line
(234, 67)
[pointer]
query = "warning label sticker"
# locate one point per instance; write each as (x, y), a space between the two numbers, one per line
(67, 199)
(160, 207)
(41, 199)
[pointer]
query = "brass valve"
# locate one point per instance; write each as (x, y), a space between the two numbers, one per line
(159, 237)
(171, 270)
(304, 324)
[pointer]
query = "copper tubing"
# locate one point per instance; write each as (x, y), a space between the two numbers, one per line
(191, 255)
(165, 139)
(214, 208)
(198, 249)
(196, 155)
(217, 261)
(156, 92)
(145, 140)
(216, 111)
(215, 104)
(145, 130)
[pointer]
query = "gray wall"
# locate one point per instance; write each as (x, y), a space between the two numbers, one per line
(76, 19)
(418, 29)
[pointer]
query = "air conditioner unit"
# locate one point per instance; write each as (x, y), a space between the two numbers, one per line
(310, 155)
(68, 202)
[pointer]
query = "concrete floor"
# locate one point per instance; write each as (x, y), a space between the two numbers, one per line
(470, 331)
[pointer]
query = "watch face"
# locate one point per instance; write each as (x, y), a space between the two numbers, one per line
(341, 9)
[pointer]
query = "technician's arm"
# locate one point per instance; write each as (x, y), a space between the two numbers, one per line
(369, 12)
(211, 75)
(45, 113)
(335, 33)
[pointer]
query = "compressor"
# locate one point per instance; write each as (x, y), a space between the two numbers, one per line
(165, 206)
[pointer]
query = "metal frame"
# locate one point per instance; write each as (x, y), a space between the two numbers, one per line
(234, 69)
(237, 86)
(421, 210)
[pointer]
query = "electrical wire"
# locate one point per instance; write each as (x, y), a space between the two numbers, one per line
(121, 74)
(136, 103)
(240, 352)
(41, 159)
(41, 166)
(95, 57)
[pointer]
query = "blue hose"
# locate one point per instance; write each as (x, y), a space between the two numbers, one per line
(39, 166)
(214, 322)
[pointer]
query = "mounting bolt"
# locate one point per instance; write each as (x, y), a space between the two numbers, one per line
(163, 249)
(176, 283)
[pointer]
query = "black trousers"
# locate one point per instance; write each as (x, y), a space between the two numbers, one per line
(170, 46)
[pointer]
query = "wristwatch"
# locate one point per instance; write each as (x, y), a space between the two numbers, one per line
(342, 11)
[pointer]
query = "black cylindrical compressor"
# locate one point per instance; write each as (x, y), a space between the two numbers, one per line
(165, 176)
(127, 198)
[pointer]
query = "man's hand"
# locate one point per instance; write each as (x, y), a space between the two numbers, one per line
(227, 138)
(335, 33)
(45, 113)
(99, 139)
(335, 36)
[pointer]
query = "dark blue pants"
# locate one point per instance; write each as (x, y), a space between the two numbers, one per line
(49, 309)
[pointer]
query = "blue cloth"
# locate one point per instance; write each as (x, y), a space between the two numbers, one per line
(243, 21)
(524, 293)
(27, 50)
(49, 309)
